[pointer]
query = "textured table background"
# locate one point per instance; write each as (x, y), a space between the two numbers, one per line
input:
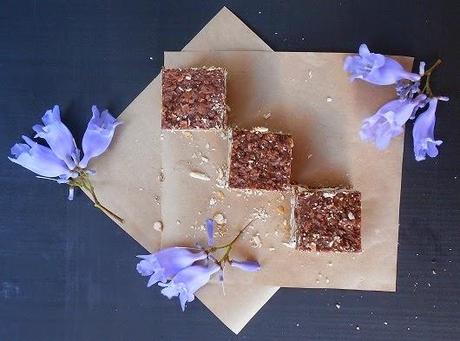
(67, 272)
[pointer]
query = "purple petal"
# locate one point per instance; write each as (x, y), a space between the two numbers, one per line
(389, 120)
(98, 135)
(376, 68)
(210, 231)
(250, 266)
(166, 263)
(39, 159)
(188, 281)
(423, 133)
(58, 137)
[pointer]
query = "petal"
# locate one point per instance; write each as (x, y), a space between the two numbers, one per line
(423, 133)
(168, 262)
(58, 137)
(98, 135)
(39, 159)
(210, 231)
(250, 266)
(188, 281)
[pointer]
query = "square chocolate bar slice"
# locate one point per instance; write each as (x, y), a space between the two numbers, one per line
(326, 219)
(194, 98)
(260, 159)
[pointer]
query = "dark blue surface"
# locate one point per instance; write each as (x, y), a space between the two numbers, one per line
(68, 273)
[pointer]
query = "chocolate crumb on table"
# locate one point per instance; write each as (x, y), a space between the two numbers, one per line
(260, 159)
(194, 98)
(326, 219)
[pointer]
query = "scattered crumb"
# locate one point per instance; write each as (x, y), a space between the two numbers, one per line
(309, 156)
(281, 210)
(329, 263)
(156, 198)
(260, 214)
(178, 222)
(221, 180)
(351, 216)
(337, 305)
(219, 194)
(158, 226)
(271, 249)
(255, 241)
(267, 115)
(385, 323)
(328, 99)
(260, 129)
(207, 146)
(212, 201)
(141, 188)
(357, 328)
(161, 175)
(433, 272)
(328, 195)
(204, 159)
(219, 218)
(200, 176)
(151, 58)
(290, 245)
(187, 135)
(297, 324)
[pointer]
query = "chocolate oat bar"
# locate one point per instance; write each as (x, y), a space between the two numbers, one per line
(260, 159)
(194, 98)
(326, 219)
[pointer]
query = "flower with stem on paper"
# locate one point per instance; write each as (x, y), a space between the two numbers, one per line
(181, 271)
(60, 161)
(376, 68)
(388, 122)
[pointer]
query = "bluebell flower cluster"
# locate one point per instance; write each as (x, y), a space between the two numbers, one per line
(181, 271)
(388, 122)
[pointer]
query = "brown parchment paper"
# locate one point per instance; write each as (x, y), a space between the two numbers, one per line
(127, 178)
(309, 96)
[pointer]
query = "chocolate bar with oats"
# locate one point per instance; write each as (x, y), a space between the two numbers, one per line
(194, 98)
(326, 219)
(260, 159)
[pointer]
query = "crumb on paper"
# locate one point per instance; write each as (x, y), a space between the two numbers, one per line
(178, 222)
(141, 188)
(260, 129)
(219, 195)
(161, 175)
(260, 213)
(212, 201)
(207, 146)
(281, 210)
(219, 218)
(204, 159)
(158, 226)
(187, 135)
(290, 244)
(328, 99)
(221, 180)
(255, 241)
(156, 199)
(200, 176)
(271, 249)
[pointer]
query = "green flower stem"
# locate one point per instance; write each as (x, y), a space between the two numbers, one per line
(427, 89)
(228, 247)
(83, 182)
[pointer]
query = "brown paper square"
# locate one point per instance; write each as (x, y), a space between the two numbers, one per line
(128, 175)
(310, 97)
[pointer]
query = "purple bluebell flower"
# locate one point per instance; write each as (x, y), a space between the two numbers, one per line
(98, 135)
(250, 266)
(165, 264)
(423, 133)
(389, 120)
(376, 68)
(188, 281)
(210, 223)
(39, 159)
(58, 137)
